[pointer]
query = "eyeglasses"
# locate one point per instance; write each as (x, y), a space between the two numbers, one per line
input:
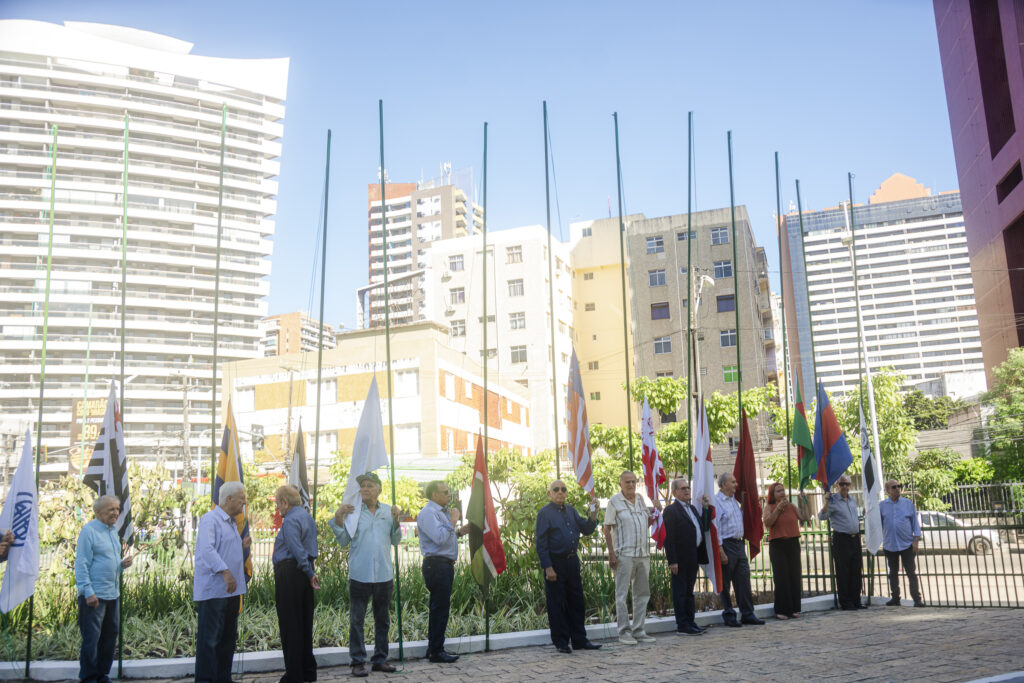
(897, 486)
(559, 489)
(844, 483)
(684, 488)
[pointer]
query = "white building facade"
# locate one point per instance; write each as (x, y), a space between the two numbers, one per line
(84, 79)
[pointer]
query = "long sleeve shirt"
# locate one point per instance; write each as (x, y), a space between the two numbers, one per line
(369, 560)
(437, 533)
(899, 524)
(297, 540)
(729, 516)
(842, 512)
(98, 561)
(218, 547)
(558, 531)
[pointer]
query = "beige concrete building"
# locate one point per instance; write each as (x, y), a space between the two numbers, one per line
(293, 333)
(438, 399)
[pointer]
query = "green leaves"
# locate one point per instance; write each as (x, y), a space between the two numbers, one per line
(1006, 424)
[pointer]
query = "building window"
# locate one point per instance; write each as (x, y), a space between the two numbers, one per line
(666, 373)
(703, 372)
(587, 232)
(457, 295)
(456, 262)
(655, 245)
(491, 353)
(458, 328)
(682, 270)
(468, 387)
(730, 373)
(595, 395)
(515, 288)
(727, 338)
(726, 303)
(407, 383)
(514, 254)
(588, 276)
(588, 307)
(723, 269)
(328, 392)
(681, 236)
(719, 235)
(662, 345)
(518, 354)
(490, 319)
(593, 365)
(517, 321)
(656, 278)
(660, 311)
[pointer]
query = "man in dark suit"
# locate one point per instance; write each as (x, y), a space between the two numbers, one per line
(685, 548)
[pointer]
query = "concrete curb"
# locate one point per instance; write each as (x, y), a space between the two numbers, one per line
(256, 662)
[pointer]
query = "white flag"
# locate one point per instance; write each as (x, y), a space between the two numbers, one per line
(871, 470)
(704, 485)
(107, 471)
(368, 453)
(21, 515)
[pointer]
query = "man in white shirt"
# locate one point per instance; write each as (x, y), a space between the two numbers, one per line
(629, 554)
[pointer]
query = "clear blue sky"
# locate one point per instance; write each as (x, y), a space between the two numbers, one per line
(832, 86)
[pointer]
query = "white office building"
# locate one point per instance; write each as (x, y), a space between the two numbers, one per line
(84, 79)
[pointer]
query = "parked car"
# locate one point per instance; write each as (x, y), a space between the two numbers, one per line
(942, 531)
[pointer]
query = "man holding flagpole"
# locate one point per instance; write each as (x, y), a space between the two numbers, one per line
(19, 545)
(841, 510)
(5, 544)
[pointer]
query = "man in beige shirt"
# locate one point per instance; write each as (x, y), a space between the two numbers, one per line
(626, 523)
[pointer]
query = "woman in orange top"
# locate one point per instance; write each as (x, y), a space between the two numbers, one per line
(782, 518)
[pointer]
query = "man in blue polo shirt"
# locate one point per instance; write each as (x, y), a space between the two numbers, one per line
(900, 533)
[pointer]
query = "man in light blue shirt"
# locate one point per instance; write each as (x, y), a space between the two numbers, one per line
(900, 533)
(733, 553)
(440, 547)
(370, 573)
(98, 564)
(218, 584)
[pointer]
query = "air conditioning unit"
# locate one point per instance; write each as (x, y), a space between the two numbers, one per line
(446, 275)
(449, 310)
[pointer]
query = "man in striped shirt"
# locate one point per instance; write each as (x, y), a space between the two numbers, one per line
(735, 567)
(629, 554)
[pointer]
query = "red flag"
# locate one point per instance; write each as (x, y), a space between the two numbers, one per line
(578, 429)
(487, 554)
(745, 472)
(654, 471)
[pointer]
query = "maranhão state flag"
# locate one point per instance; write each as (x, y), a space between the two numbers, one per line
(830, 447)
(745, 471)
(654, 472)
(486, 552)
(704, 486)
(806, 464)
(229, 468)
(578, 429)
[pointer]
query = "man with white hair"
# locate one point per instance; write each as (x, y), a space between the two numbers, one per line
(98, 564)
(733, 554)
(218, 584)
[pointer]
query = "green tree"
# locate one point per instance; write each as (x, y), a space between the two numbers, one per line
(1006, 424)
(933, 474)
(896, 433)
(973, 471)
(930, 413)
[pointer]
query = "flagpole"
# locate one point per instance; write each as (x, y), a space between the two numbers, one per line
(736, 294)
(85, 394)
(622, 270)
(320, 342)
(551, 296)
(807, 293)
(782, 313)
(387, 348)
(691, 357)
(42, 370)
(120, 400)
(856, 294)
(216, 301)
(487, 611)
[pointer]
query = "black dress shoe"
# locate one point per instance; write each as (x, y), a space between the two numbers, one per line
(733, 623)
(443, 657)
(919, 603)
(385, 667)
(753, 621)
(359, 670)
(895, 602)
(589, 646)
(690, 631)
(564, 649)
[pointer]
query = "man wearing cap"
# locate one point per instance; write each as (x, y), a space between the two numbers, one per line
(370, 572)
(900, 534)
(558, 535)
(841, 510)
(439, 545)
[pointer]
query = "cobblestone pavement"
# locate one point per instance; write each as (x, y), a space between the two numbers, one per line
(877, 644)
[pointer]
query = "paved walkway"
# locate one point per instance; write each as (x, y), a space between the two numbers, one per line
(877, 644)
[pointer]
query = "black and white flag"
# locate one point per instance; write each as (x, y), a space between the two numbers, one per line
(107, 472)
(297, 473)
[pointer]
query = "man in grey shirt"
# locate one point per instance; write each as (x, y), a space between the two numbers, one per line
(841, 510)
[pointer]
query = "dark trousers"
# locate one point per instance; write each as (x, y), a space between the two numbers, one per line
(846, 552)
(216, 634)
(293, 596)
(736, 573)
(893, 558)
(438, 574)
(359, 594)
(682, 595)
(565, 602)
(98, 626)
(785, 557)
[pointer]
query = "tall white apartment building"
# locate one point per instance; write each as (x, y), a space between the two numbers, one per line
(417, 215)
(518, 313)
(84, 78)
(914, 279)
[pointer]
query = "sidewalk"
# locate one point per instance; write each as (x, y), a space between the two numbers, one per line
(877, 644)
